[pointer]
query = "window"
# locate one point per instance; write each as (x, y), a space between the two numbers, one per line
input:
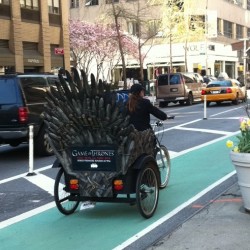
(153, 28)
(91, 2)
(54, 6)
(248, 32)
(248, 4)
(219, 26)
(74, 4)
(133, 28)
(239, 31)
(228, 29)
(29, 4)
(6, 2)
(110, 1)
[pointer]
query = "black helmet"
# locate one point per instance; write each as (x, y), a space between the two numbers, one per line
(136, 88)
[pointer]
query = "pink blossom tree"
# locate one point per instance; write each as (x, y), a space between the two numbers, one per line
(97, 43)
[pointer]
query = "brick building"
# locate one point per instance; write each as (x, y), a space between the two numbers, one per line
(30, 33)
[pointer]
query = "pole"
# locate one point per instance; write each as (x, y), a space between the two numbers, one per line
(31, 151)
(244, 61)
(205, 108)
(244, 58)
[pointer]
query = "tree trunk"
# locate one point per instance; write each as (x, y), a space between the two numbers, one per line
(124, 76)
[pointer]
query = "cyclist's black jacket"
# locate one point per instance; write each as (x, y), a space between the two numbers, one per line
(141, 117)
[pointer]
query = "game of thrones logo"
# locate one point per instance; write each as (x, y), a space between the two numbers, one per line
(97, 158)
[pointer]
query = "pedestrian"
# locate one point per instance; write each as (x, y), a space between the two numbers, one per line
(140, 109)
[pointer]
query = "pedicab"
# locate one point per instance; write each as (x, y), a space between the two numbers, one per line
(101, 157)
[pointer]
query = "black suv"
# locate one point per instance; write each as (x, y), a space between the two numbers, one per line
(22, 99)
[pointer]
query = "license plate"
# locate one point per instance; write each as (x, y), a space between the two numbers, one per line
(215, 92)
(174, 90)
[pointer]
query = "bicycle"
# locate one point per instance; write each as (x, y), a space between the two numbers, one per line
(162, 157)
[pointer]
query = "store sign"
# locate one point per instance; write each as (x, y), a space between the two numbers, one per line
(33, 60)
(59, 51)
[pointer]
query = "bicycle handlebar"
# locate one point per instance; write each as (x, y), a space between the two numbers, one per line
(160, 123)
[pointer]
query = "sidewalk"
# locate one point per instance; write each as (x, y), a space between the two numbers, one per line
(223, 225)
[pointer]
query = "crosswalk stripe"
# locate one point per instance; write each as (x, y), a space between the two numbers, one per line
(42, 181)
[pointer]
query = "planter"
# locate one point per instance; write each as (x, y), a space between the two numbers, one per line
(241, 162)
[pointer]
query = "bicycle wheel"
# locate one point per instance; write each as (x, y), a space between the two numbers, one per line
(61, 196)
(163, 161)
(147, 190)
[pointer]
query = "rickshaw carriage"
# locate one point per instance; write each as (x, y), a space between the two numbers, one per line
(101, 157)
(96, 176)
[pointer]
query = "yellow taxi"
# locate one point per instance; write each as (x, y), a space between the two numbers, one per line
(224, 90)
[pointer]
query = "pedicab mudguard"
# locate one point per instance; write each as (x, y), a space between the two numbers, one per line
(142, 160)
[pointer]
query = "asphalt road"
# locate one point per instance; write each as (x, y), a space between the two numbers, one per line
(197, 148)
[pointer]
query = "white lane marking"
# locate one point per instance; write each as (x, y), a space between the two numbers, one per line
(226, 111)
(42, 181)
(23, 175)
(226, 118)
(26, 215)
(204, 144)
(172, 213)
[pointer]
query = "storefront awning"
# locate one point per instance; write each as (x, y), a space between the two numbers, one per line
(164, 64)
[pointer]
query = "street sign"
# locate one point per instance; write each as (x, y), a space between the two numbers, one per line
(59, 51)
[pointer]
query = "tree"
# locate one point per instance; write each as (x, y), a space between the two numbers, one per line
(138, 14)
(179, 24)
(96, 43)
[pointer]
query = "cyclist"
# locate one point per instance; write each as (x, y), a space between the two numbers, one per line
(140, 109)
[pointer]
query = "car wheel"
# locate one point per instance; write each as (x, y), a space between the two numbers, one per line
(236, 101)
(41, 144)
(181, 102)
(208, 103)
(163, 104)
(14, 144)
(190, 99)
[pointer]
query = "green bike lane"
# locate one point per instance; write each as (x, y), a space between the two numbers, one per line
(108, 225)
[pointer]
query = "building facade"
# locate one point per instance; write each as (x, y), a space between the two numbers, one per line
(226, 22)
(34, 35)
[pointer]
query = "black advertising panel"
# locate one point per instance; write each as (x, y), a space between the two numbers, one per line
(94, 158)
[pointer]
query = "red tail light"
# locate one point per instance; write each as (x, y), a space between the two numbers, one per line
(229, 90)
(118, 185)
(23, 115)
(73, 184)
(203, 91)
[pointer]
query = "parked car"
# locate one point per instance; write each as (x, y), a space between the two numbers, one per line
(177, 87)
(199, 77)
(224, 90)
(22, 99)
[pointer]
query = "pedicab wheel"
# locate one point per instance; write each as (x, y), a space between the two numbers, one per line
(147, 190)
(61, 196)
(163, 161)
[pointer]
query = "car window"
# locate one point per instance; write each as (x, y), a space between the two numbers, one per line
(7, 91)
(174, 79)
(34, 88)
(225, 83)
(163, 80)
(188, 79)
(52, 81)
